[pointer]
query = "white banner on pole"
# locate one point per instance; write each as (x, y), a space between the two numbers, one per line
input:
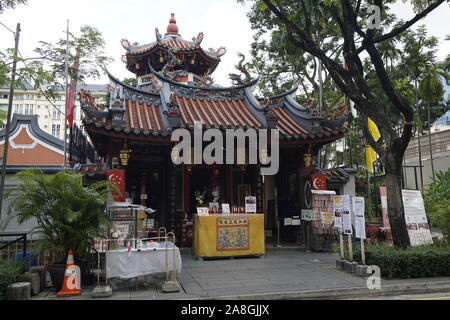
(360, 222)
(342, 209)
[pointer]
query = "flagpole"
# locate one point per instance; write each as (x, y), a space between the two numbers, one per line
(67, 98)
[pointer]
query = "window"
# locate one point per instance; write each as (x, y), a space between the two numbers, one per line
(18, 97)
(4, 96)
(18, 108)
(29, 97)
(56, 113)
(56, 128)
(4, 107)
(28, 109)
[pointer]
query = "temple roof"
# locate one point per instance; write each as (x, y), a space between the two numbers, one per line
(179, 105)
(194, 58)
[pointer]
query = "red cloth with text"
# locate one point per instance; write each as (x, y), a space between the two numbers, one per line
(319, 182)
(117, 178)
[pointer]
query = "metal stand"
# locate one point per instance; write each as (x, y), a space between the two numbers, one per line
(350, 247)
(278, 234)
(341, 245)
(171, 285)
(363, 254)
(101, 291)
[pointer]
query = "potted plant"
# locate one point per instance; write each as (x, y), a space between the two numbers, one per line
(69, 215)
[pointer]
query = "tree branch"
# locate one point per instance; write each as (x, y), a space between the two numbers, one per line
(405, 26)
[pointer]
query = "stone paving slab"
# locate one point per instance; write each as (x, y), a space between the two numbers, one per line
(280, 272)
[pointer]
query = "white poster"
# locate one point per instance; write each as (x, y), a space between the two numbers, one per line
(416, 218)
(225, 208)
(295, 220)
(202, 211)
(360, 220)
(347, 222)
(342, 210)
(307, 215)
(288, 221)
(250, 204)
(338, 222)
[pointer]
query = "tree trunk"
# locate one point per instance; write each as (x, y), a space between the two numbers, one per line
(393, 167)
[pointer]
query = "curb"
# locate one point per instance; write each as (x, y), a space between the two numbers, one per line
(327, 294)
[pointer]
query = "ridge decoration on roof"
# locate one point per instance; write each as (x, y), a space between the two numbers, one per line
(178, 105)
(193, 57)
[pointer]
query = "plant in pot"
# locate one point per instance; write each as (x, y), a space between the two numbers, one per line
(69, 215)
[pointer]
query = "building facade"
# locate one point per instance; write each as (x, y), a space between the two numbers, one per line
(175, 91)
(50, 114)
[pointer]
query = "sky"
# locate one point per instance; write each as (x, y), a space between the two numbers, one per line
(223, 22)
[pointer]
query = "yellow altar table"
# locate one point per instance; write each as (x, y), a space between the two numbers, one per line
(229, 235)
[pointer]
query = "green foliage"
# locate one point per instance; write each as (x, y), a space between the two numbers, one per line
(47, 71)
(414, 262)
(10, 4)
(9, 271)
(437, 202)
(69, 215)
(131, 82)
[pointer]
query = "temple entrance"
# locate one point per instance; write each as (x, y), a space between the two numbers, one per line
(147, 185)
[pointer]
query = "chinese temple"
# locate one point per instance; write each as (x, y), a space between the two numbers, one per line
(175, 90)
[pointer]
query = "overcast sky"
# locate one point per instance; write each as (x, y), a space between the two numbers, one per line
(224, 23)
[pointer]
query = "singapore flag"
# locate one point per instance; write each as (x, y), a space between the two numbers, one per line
(117, 178)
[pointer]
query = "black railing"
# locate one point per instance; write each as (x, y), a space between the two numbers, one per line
(19, 237)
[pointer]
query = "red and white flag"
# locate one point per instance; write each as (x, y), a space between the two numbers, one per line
(72, 92)
(117, 177)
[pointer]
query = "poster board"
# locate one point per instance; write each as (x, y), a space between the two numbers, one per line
(358, 207)
(225, 208)
(307, 215)
(342, 209)
(202, 211)
(250, 204)
(416, 218)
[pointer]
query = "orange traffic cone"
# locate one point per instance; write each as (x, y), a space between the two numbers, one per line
(71, 284)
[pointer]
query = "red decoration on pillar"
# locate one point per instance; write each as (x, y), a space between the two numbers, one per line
(117, 178)
(319, 182)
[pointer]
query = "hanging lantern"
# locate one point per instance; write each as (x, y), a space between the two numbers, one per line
(124, 157)
(138, 66)
(193, 59)
(307, 158)
(161, 58)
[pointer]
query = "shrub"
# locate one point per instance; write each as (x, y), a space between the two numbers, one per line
(414, 262)
(9, 271)
(437, 202)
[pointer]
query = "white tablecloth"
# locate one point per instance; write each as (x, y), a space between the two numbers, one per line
(124, 265)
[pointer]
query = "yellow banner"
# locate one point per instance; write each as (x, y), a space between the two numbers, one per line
(229, 235)
(371, 155)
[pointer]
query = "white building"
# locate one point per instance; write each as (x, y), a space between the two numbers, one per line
(50, 113)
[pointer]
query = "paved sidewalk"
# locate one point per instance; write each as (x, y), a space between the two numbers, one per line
(280, 274)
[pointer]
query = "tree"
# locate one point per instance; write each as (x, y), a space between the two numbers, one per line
(359, 35)
(47, 70)
(431, 90)
(69, 215)
(10, 4)
(131, 82)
